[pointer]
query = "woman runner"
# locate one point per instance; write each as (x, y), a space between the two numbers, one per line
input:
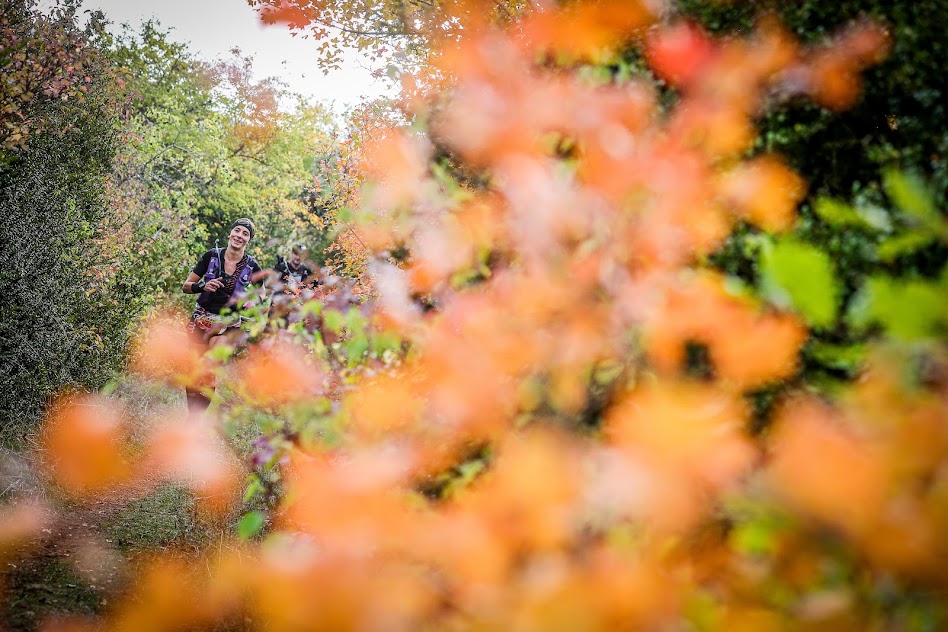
(221, 278)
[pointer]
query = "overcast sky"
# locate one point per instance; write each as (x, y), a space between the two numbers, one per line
(213, 27)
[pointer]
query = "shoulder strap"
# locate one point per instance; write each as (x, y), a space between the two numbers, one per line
(243, 280)
(214, 266)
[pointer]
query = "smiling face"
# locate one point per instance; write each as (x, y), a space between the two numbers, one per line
(239, 237)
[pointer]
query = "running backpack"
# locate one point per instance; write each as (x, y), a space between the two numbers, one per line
(214, 271)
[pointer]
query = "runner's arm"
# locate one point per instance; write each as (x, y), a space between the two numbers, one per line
(199, 270)
(188, 287)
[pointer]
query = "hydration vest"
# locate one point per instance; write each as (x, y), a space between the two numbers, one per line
(214, 269)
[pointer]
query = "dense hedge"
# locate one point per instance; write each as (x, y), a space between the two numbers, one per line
(52, 198)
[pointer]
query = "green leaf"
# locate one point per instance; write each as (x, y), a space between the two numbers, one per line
(355, 321)
(754, 538)
(333, 320)
(468, 471)
(110, 387)
(703, 612)
(909, 192)
(221, 353)
(799, 276)
(312, 307)
(385, 341)
(344, 214)
(908, 311)
(836, 212)
(607, 371)
(839, 213)
(906, 243)
(251, 524)
(841, 357)
(254, 487)
(356, 347)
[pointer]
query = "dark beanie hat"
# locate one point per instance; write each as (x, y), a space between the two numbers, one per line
(246, 223)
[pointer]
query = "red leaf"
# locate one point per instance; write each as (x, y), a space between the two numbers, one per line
(679, 54)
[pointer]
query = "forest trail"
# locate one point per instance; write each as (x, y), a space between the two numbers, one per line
(89, 549)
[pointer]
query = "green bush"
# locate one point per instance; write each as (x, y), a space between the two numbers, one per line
(877, 182)
(53, 196)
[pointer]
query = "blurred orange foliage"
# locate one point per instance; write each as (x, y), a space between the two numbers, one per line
(190, 452)
(539, 458)
(279, 374)
(83, 445)
(162, 350)
(21, 525)
(748, 345)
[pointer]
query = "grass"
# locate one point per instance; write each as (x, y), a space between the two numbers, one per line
(163, 519)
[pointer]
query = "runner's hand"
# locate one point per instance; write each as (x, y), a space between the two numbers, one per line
(213, 285)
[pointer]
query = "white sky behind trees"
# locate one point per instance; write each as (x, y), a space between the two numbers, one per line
(214, 27)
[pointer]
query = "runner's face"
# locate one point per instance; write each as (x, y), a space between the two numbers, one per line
(296, 259)
(239, 236)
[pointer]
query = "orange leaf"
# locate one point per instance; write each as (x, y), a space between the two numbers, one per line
(764, 191)
(83, 444)
(828, 472)
(163, 350)
(280, 374)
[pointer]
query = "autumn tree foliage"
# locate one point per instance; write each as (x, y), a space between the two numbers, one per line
(212, 142)
(546, 415)
(855, 160)
(44, 57)
(407, 30)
